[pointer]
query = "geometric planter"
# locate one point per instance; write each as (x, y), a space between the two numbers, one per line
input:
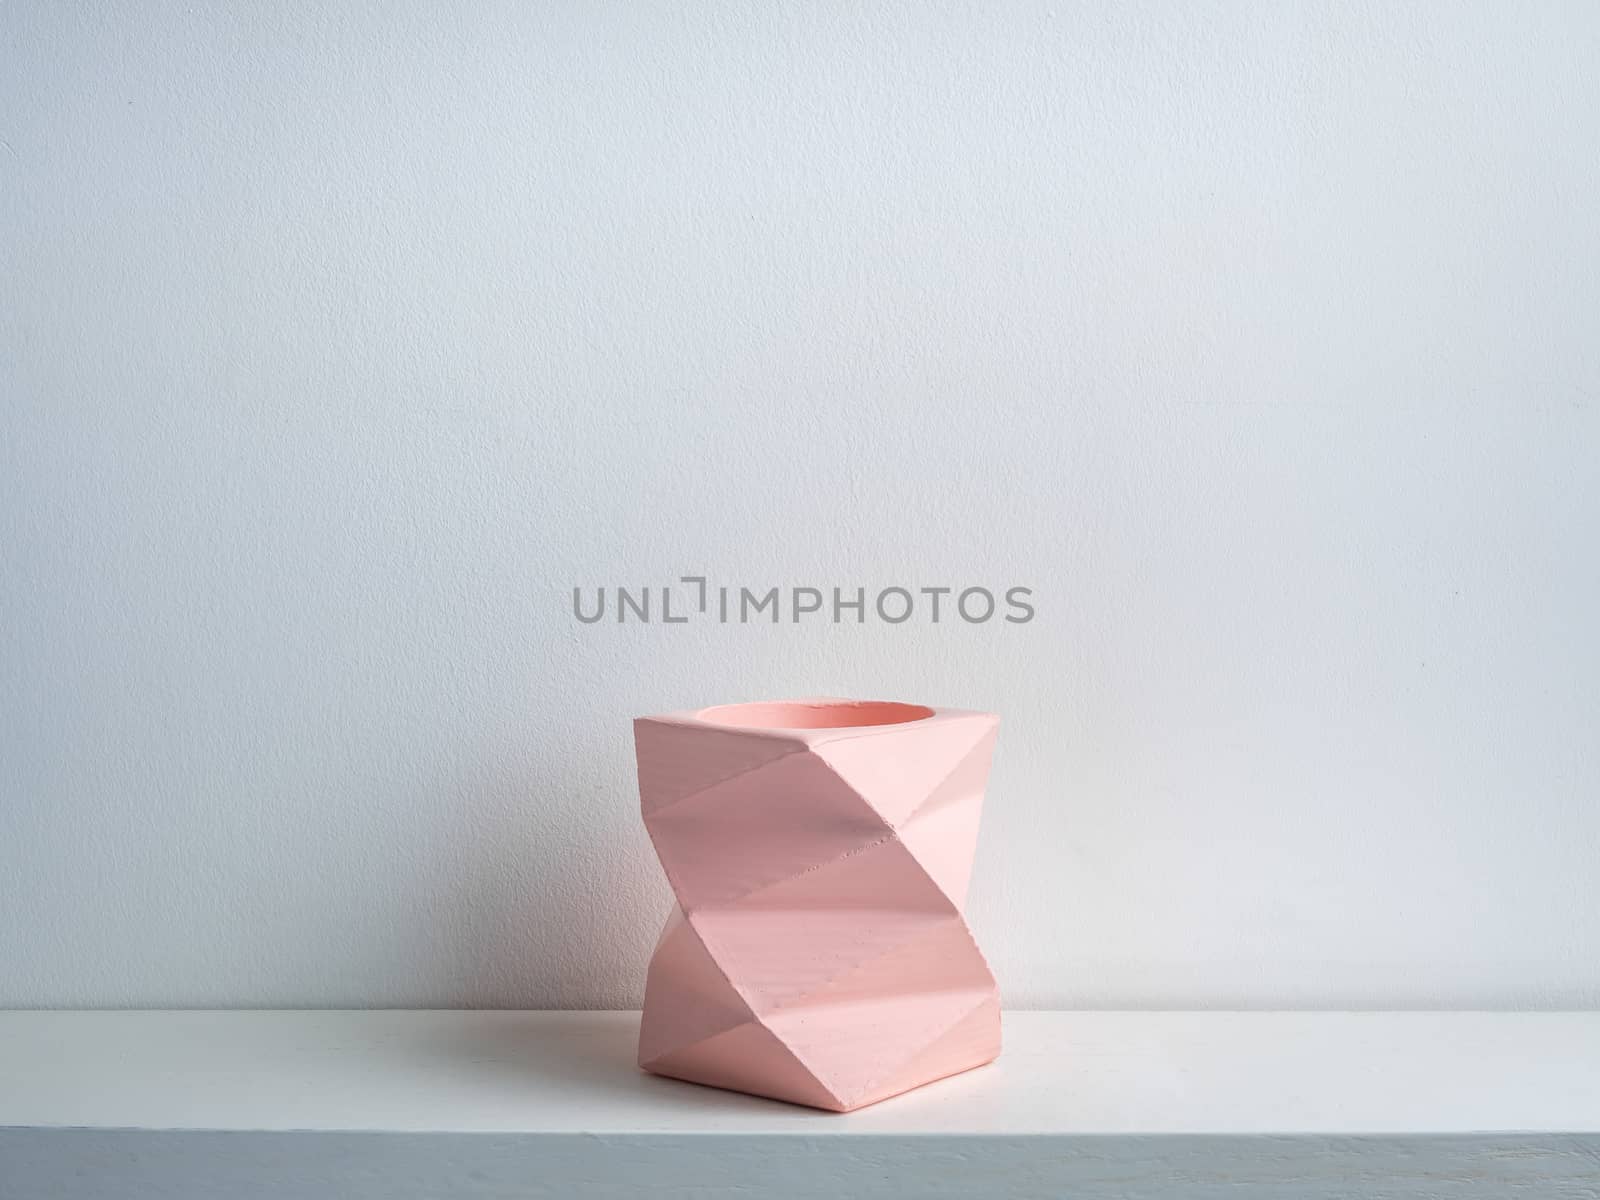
(819, 851)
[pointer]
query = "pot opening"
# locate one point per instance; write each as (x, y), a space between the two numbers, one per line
(820, 714)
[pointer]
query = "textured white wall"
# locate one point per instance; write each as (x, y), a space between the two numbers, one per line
(337, 345)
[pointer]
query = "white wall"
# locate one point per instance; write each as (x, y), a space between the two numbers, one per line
(338, 346)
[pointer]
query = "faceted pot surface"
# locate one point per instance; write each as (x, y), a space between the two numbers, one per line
(819, 851)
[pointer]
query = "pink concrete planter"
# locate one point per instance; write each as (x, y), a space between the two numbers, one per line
(819, 851)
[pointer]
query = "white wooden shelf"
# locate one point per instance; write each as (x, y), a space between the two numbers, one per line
(547, 1104)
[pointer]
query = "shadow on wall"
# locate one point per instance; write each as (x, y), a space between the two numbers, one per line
(554, 898)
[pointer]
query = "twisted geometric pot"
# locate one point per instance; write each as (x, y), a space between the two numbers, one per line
(819, 851)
